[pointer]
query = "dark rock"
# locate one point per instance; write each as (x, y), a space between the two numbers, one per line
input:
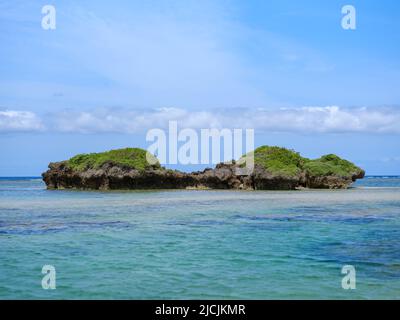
(108, 177)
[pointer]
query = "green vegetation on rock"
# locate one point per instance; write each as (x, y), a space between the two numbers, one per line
(331, 165)
(133, 158)
(285, 162)
(275, 160)
(279, 161)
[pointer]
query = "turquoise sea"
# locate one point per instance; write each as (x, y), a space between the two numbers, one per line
(200, 244)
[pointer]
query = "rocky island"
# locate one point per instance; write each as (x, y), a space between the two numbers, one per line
(275, 168)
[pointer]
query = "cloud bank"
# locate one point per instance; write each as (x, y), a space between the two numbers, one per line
(19, 121)
(330, 119)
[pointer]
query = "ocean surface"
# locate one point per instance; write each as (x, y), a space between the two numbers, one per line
(200, 244)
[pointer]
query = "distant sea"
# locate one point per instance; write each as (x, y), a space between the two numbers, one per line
(200, 244)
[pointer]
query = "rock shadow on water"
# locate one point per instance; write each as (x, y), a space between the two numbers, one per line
(294, 216)
(41, 229)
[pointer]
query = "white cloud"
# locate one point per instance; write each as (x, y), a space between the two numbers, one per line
(19, 121)
(330, 119)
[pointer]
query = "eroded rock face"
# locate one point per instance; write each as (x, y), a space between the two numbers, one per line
(332, 182)
(109, 177)
(115, 177)
(265, 180)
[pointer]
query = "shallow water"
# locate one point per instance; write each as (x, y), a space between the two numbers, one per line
(200, 244)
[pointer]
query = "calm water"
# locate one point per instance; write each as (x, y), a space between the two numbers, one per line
(200, 244)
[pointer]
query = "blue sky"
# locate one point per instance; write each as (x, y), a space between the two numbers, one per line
(111, 71)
